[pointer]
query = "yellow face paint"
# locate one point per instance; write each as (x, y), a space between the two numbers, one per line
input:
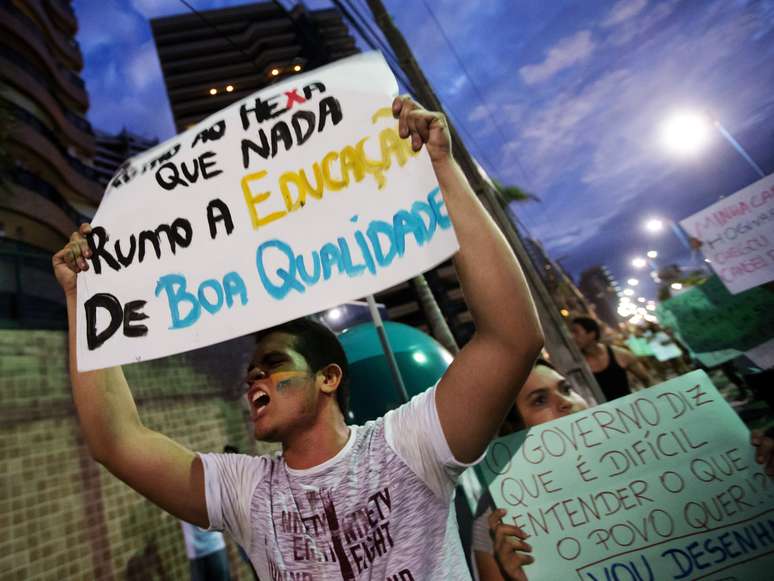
(282, 380)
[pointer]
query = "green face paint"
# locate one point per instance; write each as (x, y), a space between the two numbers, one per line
(283, 380)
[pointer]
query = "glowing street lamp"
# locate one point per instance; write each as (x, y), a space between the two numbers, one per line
(628, 292)
(632, 282)
(639, 262)
(654, 225)
(687, 132)
(676, 286)
(651, 254)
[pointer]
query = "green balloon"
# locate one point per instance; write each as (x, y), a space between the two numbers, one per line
(421, 360)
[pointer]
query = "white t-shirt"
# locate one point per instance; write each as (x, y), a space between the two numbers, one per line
(380, 509)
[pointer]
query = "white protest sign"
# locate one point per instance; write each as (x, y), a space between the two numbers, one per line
(737, 236)
(658, 485)
(297, 198)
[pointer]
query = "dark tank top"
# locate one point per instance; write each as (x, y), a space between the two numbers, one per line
(612, 379)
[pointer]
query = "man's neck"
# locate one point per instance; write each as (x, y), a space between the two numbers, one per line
(319, 443)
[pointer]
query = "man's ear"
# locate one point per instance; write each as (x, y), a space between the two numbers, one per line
(329, 378)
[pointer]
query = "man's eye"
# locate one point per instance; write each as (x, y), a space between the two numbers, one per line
(539, 400)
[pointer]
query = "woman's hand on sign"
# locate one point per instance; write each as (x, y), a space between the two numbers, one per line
(509, 547)
(423, 127)
(71, 260)
(764, 453)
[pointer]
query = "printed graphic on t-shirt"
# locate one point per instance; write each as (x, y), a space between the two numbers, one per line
(354, 540)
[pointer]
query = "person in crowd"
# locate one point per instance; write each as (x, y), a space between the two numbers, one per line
(206, 552)
(500, 550)
(545, 396)
(338, 502)
(608, 364)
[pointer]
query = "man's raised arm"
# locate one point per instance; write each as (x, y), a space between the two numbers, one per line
(161, 470)
(481, 384)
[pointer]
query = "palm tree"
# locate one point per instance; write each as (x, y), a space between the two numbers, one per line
(508, 194)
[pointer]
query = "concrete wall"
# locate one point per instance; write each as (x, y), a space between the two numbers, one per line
(63, 516)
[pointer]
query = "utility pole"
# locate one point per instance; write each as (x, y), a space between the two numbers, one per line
(564, 353)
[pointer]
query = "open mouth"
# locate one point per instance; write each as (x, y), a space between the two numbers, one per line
(259, 400)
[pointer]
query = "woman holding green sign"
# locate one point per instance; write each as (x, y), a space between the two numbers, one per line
(545, 396)
(500, 550)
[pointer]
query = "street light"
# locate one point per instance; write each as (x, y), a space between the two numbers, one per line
(651, 254)
(654, 225)
(639, 262)
(632, 282)
(686, 133)
(628, 292)
(676, 285)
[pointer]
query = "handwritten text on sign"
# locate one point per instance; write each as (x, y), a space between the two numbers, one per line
(292, 200)
(737, 235)
(658, 485)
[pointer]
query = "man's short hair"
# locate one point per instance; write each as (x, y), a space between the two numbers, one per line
(320, 347)
(589, 324)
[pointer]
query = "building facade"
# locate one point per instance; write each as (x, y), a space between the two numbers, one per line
(213, 58)
(113, 150)
(48, 184)
(601, 290)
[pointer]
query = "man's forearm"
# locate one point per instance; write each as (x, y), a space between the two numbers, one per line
(494, 285)
(105, 406)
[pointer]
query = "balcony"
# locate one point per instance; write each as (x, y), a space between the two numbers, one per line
(19, 29)
(33, 183)
(20, 74)
(29, 135)
(64, 16)
(64, 45)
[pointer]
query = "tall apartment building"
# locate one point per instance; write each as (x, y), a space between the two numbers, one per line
(114, 149)
(214, 58)
(567, 297)
(48, 184)
(601, 289)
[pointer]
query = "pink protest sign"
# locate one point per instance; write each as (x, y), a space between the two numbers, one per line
(737, 236)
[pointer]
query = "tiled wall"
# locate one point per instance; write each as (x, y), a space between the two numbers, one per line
(62, 516)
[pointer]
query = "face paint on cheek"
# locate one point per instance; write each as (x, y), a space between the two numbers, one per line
(283, 380)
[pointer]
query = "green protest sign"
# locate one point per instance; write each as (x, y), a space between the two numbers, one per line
(661, 484)
(709, 318)
(639, 346)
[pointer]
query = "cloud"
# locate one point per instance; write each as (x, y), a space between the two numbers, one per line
(625, 31)
(590, 142)
(95, 32)
(143, 67)
(478, 113)
(622, 11)
(457, 84)
(567, 52)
